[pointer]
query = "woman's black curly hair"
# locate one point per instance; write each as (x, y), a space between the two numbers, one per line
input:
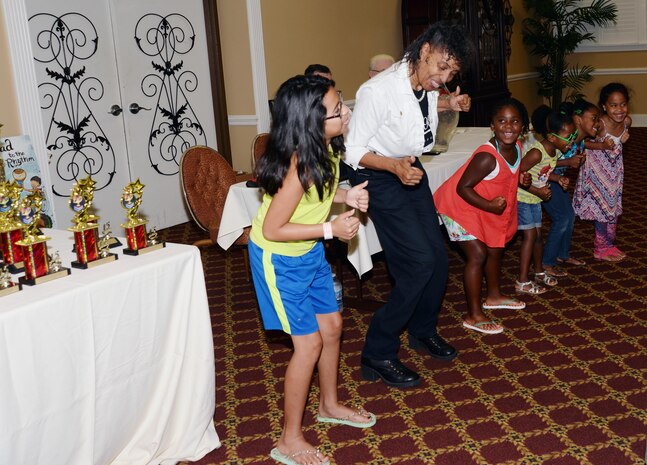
(298, 120)
(452, 39)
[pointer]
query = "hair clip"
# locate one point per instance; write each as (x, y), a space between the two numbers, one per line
(562, 112)
(577, 112)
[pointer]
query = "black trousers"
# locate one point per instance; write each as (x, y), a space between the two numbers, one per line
(407, 225)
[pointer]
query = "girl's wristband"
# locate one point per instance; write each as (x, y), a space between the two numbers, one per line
(327, 228)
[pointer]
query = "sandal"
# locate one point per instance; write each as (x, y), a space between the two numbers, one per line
(349, 420)
(616, 251)
(529, 287)
(289, 459)
(509, 303)
(480, 327)
(571, 261)
(545, 278)
(555, 271)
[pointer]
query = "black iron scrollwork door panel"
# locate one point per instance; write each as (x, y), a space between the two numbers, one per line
(175, 126)
(75, 67)
(166, 93)
(125, 90)
(78, 145)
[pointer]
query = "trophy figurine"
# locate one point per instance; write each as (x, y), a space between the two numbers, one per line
(138, 241)
(6, 285)
(11, 229)
(86, 227)
(34, 244)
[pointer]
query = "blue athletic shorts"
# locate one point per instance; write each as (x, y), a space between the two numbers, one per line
(291, 291)
(529, 215)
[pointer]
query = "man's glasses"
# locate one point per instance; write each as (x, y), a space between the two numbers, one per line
(568, 139)
(340, 106)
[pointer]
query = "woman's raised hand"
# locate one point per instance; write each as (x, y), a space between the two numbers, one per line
(357, 197)
(345, 226)
(459, 102)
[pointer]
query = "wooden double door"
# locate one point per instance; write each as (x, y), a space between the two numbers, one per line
(124, 89)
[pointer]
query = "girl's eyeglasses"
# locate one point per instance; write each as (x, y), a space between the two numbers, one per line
(568, 139)
(339, 111)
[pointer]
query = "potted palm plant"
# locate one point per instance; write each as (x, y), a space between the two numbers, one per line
(553, 30)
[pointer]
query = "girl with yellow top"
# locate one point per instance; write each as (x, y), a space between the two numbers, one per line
(555, 130)
(299, 173)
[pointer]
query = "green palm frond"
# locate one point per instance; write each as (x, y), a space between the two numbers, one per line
(554, 30)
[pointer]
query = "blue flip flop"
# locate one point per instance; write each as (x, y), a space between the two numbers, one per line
(288, 459)
(348, 420)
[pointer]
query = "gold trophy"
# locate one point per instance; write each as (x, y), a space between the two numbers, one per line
(7, 286)
(138, 241)
(34, 244)
(11, 229)
(86, 227)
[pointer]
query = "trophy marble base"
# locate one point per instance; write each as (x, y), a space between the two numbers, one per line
(11, 289)
(150, 248)
(99, 261)
(45, 278)
(114, 242)
(17, 267)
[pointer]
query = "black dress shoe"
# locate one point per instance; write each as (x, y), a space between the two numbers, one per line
(391, 372)
(434, 345)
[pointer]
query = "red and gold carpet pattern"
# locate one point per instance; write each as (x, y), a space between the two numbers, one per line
(565, 384)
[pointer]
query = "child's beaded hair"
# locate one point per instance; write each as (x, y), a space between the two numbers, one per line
(609, 89)
(545, 120)
(578, 107)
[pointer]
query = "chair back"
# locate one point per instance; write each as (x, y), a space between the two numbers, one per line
(206, 177)
(258, 147)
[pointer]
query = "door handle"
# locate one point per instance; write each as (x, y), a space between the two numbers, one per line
(115, 110)
(134, 108)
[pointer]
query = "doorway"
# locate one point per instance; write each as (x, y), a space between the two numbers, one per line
(124, 89)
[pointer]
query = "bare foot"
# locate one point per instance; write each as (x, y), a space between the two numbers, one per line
(300, 451)
(339, 411)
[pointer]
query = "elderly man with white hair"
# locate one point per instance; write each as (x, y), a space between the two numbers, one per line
(379, 63)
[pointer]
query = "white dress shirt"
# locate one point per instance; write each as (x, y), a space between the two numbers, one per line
(387, 118)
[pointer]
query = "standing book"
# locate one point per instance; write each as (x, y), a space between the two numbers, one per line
(20, 164)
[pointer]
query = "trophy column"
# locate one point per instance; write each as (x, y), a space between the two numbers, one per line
(34, 245)
(138, 241)
(11, 252)
(11, 229)
(86, 228)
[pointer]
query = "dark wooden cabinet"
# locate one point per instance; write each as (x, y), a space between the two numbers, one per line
(485, 22)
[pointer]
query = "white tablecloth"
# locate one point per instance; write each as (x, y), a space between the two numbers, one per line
(242, 202)
(440, 167)
(242, 205)
(111, 365)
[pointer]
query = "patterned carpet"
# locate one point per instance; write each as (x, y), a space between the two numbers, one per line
(565, 384)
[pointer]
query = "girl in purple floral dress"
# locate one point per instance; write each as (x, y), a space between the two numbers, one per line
(598, 192)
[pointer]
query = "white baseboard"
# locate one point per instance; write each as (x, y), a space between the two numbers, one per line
(242, 120)
(638, 121)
